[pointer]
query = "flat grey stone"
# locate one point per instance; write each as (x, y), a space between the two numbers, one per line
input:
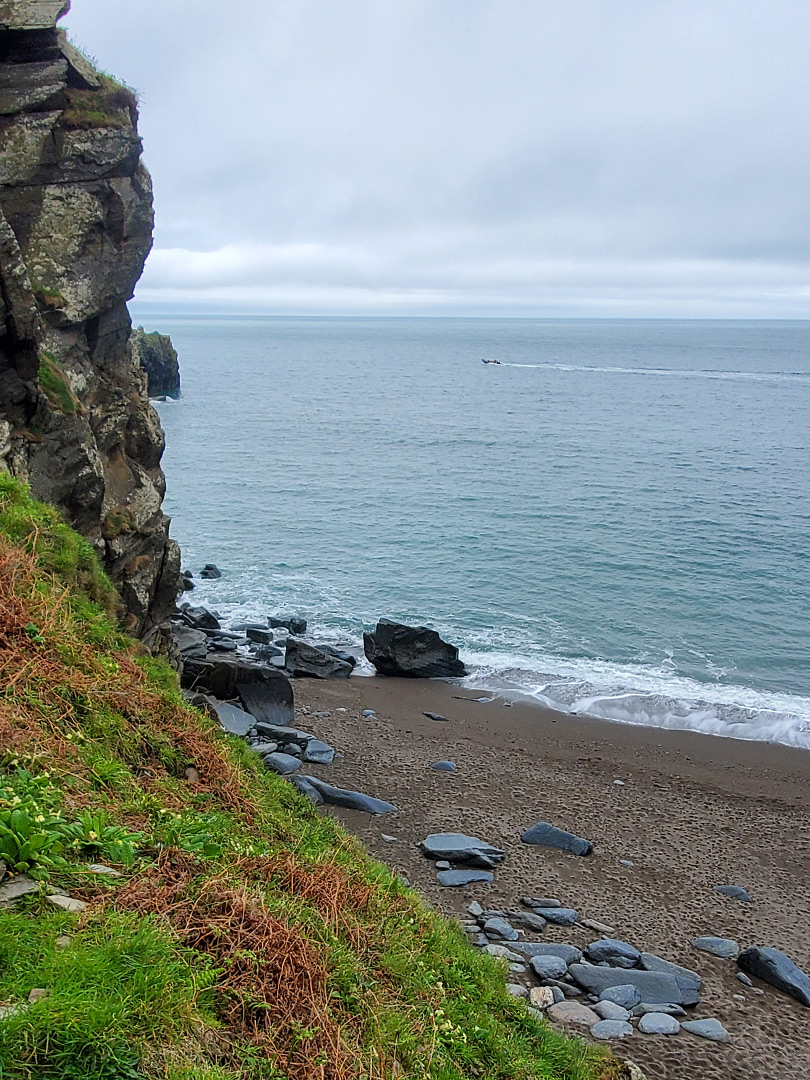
(291, 748)
(500, 928)
(725, 948)
(547, 835)
(614, 952)
(105, 871)
(539, 901)
(651, 962)
(597, 927)
(283, 764)
(318, 753)
(625, 995)
(611, 1029)
(517, 969)
(736, 892)
(263, 747)
(17, 887)
(558, 994)
(658, 1023)
(443, 766)
(280, 733)
(569, 953)
(573, 1013)
(304, 786)
(548, 967)
(652, 985)
(351, 800)
(774, 967)
(388, 839)
(66, 903)
(232, 718)
(707, 1029)
(533, 922)
(458, 847)
(451, 879)
(502, 952)
(609, 1010)
(475, 909)
(518, 991)
(659, 1007)
(369, 714)
(443, 864)
(560, 916)
(743, 978)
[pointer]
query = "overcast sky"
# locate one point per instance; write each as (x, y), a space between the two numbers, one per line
(477, 157)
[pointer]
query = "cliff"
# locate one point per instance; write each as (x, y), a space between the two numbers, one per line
(158, 358)
(75, 229)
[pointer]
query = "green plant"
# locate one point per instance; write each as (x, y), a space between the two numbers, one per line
(188, 834)
(90, 835)
(55, 386)
(29, 843)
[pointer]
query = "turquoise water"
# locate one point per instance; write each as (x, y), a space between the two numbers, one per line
(614, 519)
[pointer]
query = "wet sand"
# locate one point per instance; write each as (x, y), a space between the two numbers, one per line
(694, 811)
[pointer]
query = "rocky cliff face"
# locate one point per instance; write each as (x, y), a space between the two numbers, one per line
(158, 358)
(75, 229)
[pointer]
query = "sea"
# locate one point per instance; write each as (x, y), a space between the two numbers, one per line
(614, 520)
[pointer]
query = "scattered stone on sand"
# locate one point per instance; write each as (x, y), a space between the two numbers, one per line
(777, 969)
(411, 651)
(651, 962)
(597, 927)
(458, 847)
(725, 948)
(502, 952)
(369, 714)
(540, 902)
(611, 1029)
(548, 967)
(450, 879)
(627, 862)
(535, 923)
(66, 903)
(387, 838)
(614, 952)
(263, 746)
(625, 995)
(609, 1010)
(658, 1023)
(443, 766)
(743, 978)
(707, 1029)
(550, 836)
(475, 909)
(500, 929)
(560, 916)
(652, 985)
(736, 892)
(11, 891)
(569, 953)
(316, 662)
(350, 800)
(318, 753)
(437, 717)
(443, 864)
(283, 764)
(517, 990)
(542, 996)
(573, 1013)
(659, 1007)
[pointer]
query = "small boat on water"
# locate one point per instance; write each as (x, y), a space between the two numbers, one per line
(485, 361)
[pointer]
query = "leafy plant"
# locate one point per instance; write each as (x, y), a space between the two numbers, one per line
(188, 835)
(90, 835)
(29, 844)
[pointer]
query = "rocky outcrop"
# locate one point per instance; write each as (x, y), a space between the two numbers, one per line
(157, 357)
(413, 652)
(75, 229)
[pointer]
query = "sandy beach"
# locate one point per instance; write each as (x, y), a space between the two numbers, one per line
(693, 811)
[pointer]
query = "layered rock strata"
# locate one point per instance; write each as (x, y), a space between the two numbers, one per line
(75, 229)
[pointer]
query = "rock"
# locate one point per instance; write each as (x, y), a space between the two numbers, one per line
(306, 788)
(500, 929)
(597, 927)
(475, 909)
(443, 766)
(658, 1023)
(502, 952)
(443, 864)
(63, 941)
(268, 652)
(189, 642)
(13, 890)
(105, 871)
(560, 916)
(569, 953)
(611, 1029)
(309, 661)
(557, 994)
(454, 878)
(369, 714)
(660, 1007)
(736, 892)
(539, 902)
(263, 746)
(460, 848)
(38, 993)
(351, 800)
(652, 985)
(609, 1010)
(535, 923)
(627, 862)
(156, 355)
(262, 690)
(614, 952)
(708, 1029)
(9, 1011)
(318, 753)
(283, 764)
(624, 994)
(568, 989)
(542, 996)
(547, 835)
(548, 967)
(437, 716)
(651, 962)
(210, 571)
(294, 625)
(516, 990)
(222, 645)
(66, 903)
(773, 967)
(291, 748)
(232, 718)
(281, 733)
(573, 1013)
(387, 838)
(259, 636)
(193, 776)
(743, 978)
(199, 618)
(725, 948)
(411, 651)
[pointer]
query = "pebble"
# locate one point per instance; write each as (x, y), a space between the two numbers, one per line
(573, 1012)
(369, 714)
(619, 783)
(725, 948)
(626, 862)
(707, 1029)
(625, 995)
(548, 967)
(658, 1023)
(743, 978)
(442, 864)
(597, 927)
(388, 839)
(518, 969)
(611, 1029)
(547, 835)
(38, 993)
(736, 892)
(516, 990)
(475, 909)
(443, 766)
(539, 902)
(608, 1010)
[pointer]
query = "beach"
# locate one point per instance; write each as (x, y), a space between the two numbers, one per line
(692, 811)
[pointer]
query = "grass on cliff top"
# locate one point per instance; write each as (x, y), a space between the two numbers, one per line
(112, 105)
(246, 936)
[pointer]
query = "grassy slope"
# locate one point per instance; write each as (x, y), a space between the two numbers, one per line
(247, 936)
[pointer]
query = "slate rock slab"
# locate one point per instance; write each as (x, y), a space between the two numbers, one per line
(548, 967)
(614, 952)
(546, 835)
(708, 1029)
(569, 953)
(451, 879)
(725, 948)
(540, 902)
(609, 1010)
(15, 888)
(777, 969)
(318, 753)
(560, 916)
(414, 652)
(500, 928)
(282, 763)
(651, 962)
(309, 661)
(656, 1023)
(611, 1029)
(304, 786)
(736, 892)
(653, 986)
(232, 718)
(533, 922)
(460, 848)
(349, 800)
(625, 995)
(443, 766)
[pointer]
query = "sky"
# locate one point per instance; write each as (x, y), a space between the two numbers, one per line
(609, 158)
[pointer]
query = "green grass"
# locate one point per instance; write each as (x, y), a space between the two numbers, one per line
(55, 386)
(251, 938)
(113, 105)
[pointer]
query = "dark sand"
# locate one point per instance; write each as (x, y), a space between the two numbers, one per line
(695, 811)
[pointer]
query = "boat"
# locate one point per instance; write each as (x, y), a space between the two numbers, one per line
(485, 361)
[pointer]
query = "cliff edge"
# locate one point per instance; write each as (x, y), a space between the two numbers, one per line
(75, 229)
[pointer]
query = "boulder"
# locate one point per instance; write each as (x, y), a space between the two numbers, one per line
(210, 571)
(653, 986)
(547, 835)
(411, 651)
(658, 1023)
(651, 962)
(231, 717)
(189, 642)
(282, 734)
(614, 952)
(451, 879)
(609, 1010)
(574, 1013)
(264, 691)
(773, 967)
(304, 786)
(294, 625)
(611, 1029)
(350, 800)
(200, 618)
(316, 752)
(305, 660)
(548, 967)
(457, 847)
(282, 763)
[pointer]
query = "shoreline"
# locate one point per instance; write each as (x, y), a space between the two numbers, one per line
(690, 813)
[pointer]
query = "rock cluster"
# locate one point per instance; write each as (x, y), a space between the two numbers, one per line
(75, 229)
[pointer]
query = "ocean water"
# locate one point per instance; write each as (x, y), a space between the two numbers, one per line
(614, 520)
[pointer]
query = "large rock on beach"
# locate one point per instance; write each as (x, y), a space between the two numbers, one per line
(453, 879)
(614, 952)
(264, 691)
(350, 800)
(651, 962)
(546, 835)
(773, 967)
(654, 986)
(311, 661)
(414, 652)
(457, 847)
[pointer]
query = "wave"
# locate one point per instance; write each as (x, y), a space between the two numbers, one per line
(679, 373)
